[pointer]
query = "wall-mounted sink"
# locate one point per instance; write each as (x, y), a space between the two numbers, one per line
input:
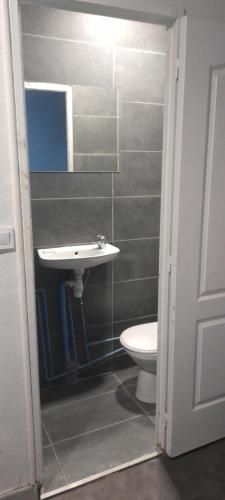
(77, 257)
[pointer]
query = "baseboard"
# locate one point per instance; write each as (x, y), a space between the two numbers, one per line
(30, 493)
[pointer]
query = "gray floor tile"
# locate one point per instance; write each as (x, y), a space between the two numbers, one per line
(90, 414)
(153, 417)
(52, 476)
(83, 389)
(45, 440)
(147, 407)
(128, 376)
(106, 448)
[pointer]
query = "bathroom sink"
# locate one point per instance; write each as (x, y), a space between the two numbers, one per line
(77, 257)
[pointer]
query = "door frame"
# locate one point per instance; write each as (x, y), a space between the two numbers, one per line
(166, 210)
(166, 224)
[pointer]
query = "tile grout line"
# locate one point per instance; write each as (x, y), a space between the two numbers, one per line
(148, 103)
(120, 321)
(79, 400)
(98, 44)
(97, 197)
(140, 151)
(63, 405)
(92, 154)
(156, 276)
(55, 454)
(133, 398)
(97, 430)
(113, 117)
(114, 241)
(150, 416)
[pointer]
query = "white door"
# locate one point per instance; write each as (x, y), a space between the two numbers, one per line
(196, 360)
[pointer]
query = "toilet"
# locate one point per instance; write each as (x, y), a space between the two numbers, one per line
(140, 342)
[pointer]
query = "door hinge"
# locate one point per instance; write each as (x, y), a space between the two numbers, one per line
(177, 69)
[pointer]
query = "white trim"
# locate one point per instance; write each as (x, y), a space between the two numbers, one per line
(56, 87)
(165, 234)
(28, 249)
(25, 207)
(107, 472)
(174, 225)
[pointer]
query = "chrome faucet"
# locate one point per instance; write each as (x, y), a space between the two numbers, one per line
(101, 241)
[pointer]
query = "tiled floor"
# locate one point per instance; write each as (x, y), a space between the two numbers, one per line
(94, 425)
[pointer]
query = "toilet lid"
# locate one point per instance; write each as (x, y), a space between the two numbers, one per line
(142, 338)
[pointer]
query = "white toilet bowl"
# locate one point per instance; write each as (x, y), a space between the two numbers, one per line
(140, 342)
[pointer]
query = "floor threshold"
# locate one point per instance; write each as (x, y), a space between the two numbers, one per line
(94, 477)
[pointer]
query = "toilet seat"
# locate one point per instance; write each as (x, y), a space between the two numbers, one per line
(141, 338)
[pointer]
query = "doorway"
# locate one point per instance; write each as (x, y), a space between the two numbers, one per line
(137, 194)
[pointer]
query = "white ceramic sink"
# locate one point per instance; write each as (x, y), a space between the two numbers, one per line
(77, 257)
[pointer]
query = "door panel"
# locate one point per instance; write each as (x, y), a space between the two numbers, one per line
(213, 244)
(196, 368)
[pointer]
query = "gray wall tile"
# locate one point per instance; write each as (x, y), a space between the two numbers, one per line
(95, 163)
(120, 326)
(144, 36)
(140, 76)
(72, 63)
(94, 101)
(136, 217)
(66, 24)
(137, 259)
(135, 298)
(100, 274)
(99, 350)
(48, 278)
(73, 185)
(141, 127)
(99, 332)
(95, 135)
(98, 304)
(62, 222)
(140, 174)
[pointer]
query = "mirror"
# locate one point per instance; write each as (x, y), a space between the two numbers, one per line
(49, 127)
(72, 128)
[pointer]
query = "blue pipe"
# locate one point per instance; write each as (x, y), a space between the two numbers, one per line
(63, 316)
(43, 292)
(84, 329)
(65, 332)
(73, 334)
(42, 337)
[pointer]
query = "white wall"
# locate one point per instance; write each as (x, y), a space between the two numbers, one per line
(16, 422)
